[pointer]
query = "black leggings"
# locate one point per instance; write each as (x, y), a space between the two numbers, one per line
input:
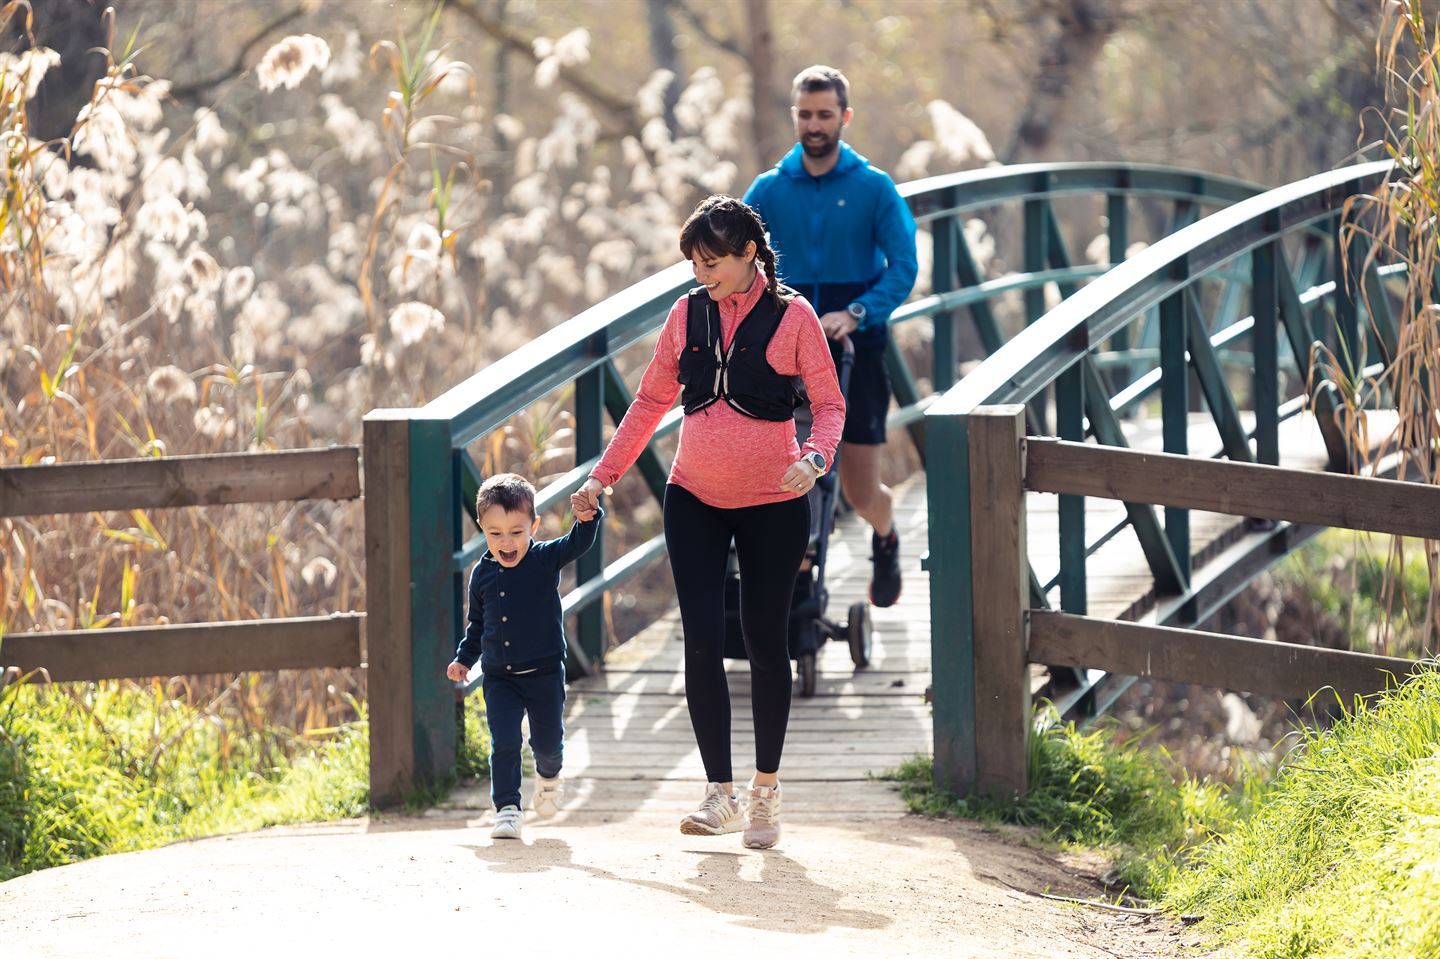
(770, 542)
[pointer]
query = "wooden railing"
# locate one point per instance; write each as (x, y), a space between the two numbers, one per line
(1009, 635)
(308, 642)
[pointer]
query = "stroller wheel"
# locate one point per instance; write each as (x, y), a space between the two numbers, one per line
(806, 664)
(859, 631)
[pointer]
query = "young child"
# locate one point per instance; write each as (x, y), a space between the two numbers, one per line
(516, 630)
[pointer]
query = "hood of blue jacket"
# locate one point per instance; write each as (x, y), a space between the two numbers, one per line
(793, 163)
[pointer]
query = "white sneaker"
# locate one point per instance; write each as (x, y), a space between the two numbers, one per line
(718, 814)
(546, 801)
(507, 823)
(762, 812)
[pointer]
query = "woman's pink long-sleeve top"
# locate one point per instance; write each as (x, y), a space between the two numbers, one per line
(729, 460)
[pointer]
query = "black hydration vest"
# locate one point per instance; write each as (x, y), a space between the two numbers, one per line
(742, 377)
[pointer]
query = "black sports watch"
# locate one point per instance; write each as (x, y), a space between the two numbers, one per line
(857, 310)
(816, 461)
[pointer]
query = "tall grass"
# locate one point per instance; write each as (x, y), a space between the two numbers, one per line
(109, 768)
(1338, 861)
(1397, 224)
(90, 769)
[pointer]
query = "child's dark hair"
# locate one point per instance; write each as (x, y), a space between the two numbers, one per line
(509, 491)
(819, 78)
(721, 226)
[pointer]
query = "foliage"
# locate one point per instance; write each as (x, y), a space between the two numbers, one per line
(1357, 591)
(110, 767)
(1339, 858)
(1088, 790)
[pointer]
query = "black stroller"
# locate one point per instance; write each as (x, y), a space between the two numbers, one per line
(809, 626)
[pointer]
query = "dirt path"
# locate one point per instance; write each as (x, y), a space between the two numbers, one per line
(595, 883)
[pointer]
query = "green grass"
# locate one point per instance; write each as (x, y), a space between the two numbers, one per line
(1334, 857)
(87, 770)
(1340, 860)
(1086, 790)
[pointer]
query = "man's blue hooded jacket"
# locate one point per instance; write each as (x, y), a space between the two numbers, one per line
(849, 226)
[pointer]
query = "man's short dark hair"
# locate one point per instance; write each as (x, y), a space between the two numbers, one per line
(509, 491)
(820, 77)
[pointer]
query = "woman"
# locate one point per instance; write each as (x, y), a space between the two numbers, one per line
(740, 347)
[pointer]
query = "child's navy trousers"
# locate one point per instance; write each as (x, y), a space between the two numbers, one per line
(507, 700)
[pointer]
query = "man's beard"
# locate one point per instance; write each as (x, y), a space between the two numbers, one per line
(819, 149)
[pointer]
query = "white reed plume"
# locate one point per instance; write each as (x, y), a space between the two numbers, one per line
(287, 62)
(410, 321)
(169, 384)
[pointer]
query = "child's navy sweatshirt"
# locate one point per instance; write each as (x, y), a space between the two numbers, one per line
(515, 623)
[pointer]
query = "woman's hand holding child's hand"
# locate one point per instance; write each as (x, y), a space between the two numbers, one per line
(585, 501)
(457, 673)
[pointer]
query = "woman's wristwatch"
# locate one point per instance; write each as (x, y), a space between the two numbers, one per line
(816, 461)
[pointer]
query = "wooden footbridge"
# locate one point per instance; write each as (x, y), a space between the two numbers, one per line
(1036, 560)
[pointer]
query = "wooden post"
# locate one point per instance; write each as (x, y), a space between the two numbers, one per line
(386, 485)
(1000, 595)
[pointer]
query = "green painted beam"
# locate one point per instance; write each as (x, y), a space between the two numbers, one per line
(1349, 346)
(942, 280)
(1175, 412)
(952, 662)
(1117, 232)
(1212, 384)
(589, 442)
(1169, 577)
(437, 595)
(967, 274)
(1070, 422)
(1302, 340)
(907, 394)
(1265, 307)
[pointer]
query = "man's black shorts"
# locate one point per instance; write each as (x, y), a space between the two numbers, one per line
(867, 402)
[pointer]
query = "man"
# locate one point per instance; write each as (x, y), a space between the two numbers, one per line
(846, 240)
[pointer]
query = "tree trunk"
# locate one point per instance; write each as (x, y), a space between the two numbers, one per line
(72, 28)
(500, 177)
(1067, 61)
(764, 123)
(665, 54)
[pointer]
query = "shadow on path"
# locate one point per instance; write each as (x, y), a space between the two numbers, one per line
(783, 899)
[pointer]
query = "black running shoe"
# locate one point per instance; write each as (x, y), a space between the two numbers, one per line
(885, 577)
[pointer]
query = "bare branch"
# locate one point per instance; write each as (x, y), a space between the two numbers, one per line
(1347, 25)
(516, 41)
(728, 44)
(189, 90)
